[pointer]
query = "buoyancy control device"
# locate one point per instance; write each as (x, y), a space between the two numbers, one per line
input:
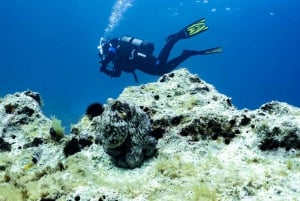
(142, 45)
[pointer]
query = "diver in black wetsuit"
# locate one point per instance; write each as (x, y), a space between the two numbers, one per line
(128, 53)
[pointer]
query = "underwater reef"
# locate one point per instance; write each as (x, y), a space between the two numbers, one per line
(174, 139)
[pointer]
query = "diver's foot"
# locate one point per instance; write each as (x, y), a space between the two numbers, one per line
(189, 31)
(176, 36)
(190, 52)
(202, 52)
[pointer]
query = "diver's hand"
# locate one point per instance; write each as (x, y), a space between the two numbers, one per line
(107, 72)
(102, 69)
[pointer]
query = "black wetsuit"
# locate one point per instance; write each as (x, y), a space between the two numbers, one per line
(129, 54)
(128, 58)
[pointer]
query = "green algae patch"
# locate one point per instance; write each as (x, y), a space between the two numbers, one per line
(10, 193)
(57, 126)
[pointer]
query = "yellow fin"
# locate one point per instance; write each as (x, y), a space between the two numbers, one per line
(28, 166)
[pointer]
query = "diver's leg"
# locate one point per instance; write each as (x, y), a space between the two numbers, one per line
(165, 52)
(187, 32)
(173, 63)
(153, 68)
(150, 66)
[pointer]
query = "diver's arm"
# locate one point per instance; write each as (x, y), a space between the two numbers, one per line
(111, 73)
(103, 68)
(115, 72)
(110, 57)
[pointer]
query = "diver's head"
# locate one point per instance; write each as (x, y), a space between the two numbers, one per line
(103, 47)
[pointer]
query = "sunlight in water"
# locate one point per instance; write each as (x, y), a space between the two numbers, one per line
(117, 12)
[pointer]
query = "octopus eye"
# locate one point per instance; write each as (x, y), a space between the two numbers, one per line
(117, 105)
(114, 142)
(123, 115)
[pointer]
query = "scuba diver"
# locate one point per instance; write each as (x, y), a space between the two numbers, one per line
(128, 53)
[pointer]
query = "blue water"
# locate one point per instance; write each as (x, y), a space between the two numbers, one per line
(50, 47)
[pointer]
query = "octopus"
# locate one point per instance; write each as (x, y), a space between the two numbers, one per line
(124, 132)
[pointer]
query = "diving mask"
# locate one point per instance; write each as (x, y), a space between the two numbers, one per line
(103, 48)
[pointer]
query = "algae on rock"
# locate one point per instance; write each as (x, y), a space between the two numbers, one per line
(207, 149)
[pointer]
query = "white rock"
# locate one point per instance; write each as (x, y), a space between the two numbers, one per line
(208, 150)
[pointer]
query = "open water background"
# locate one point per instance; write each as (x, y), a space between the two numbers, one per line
(50, 47)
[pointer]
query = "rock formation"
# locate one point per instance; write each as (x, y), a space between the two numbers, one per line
(207, 149)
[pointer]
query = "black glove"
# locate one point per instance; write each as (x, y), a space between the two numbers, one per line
(107, 72)
(103, 70)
